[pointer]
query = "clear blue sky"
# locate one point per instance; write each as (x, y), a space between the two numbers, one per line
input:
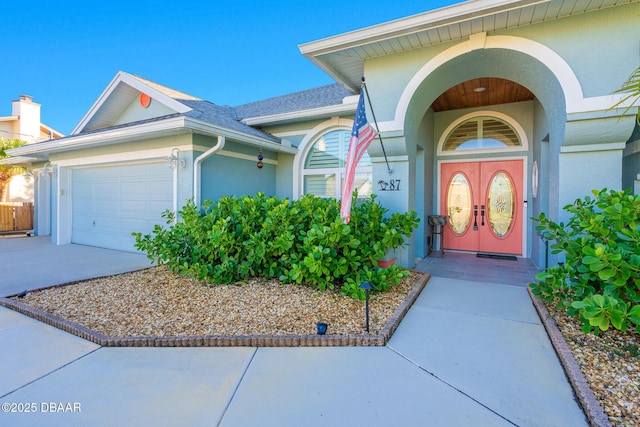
(65, 53)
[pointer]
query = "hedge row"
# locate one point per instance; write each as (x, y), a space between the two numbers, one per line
(303, 241)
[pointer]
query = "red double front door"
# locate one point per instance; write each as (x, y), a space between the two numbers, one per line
(484, 205)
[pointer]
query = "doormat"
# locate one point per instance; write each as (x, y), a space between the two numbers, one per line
(497, 256)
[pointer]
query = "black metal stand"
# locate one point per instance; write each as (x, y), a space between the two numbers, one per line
(436, 224)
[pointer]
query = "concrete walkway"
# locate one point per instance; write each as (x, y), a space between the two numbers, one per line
(467, 353)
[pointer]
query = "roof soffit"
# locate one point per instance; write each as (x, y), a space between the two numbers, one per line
(343, 56)
(118, 95)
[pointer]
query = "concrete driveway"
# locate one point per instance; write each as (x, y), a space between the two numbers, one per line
(33, 262)
(467, 353)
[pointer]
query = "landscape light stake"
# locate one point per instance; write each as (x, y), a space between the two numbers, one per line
(367, 287)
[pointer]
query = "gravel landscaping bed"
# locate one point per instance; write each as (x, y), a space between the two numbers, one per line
(157, 303)
(610, 364)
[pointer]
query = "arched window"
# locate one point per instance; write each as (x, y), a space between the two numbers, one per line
(323, 171)
(482, 133)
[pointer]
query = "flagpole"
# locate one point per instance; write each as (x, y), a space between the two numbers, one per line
(366, 91)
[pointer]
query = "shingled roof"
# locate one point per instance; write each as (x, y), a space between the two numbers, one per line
(230, 117)
(218, 115)
(318, 97)
(322, 96)
(222, 116)
(124, 90)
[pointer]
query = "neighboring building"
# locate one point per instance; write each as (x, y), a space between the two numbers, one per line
(24, 124)
(490, 112)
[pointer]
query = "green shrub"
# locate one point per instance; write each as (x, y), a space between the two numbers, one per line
(303, 241)
(600, 280)
(599, 311)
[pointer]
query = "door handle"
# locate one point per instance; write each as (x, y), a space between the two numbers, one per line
(475, 217)
(482, 215)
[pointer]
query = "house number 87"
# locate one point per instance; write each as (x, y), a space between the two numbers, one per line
(391, 185)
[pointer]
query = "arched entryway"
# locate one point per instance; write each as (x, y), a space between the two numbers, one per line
(484, 91)
(482, 160)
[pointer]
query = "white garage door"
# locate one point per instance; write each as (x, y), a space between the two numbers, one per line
(110, 202)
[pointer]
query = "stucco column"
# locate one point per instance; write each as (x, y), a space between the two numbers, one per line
(591, 156)
(395, 190)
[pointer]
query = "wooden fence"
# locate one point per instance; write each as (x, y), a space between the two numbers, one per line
(16, 216)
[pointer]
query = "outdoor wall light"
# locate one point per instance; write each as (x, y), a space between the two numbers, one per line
(173, 159)
(47, 169)
(367, 287)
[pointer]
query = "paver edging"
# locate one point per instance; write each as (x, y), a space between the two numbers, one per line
(380, 339)
(590, 404)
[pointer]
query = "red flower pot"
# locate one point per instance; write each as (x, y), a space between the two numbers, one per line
(385, 264)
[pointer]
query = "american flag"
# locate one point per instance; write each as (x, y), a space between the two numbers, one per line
(361, 136)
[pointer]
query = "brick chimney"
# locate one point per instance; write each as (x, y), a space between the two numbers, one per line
(28, 112)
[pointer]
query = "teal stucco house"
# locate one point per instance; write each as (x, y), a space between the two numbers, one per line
(490, 112)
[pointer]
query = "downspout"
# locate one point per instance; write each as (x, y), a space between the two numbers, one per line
(197, 164)
(175, 192)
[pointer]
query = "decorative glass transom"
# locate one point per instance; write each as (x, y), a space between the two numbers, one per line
(323, 171)
(459, 204)
(481, 133)
(501, 204)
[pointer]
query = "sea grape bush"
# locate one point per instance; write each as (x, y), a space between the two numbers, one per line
(600, 279)
(303, 241)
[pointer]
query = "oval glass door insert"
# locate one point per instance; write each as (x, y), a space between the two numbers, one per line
(459, 204)
(501, 204)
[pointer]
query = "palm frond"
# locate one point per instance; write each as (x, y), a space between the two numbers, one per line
(632, 90)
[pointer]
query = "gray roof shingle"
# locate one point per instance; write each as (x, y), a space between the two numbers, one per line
(222, 116)
(217, 115)
(230, 117)
(227, 117)
(322, 96)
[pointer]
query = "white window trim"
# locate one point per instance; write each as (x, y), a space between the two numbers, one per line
(299, 171)
(484, 113)
(339, 175)
(335, 123)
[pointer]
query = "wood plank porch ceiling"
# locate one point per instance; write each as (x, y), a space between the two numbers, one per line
(496, 91)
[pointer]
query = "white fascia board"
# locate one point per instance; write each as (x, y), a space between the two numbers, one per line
(178, 106)
(208, 129)
(21, 160)
(122, 77)
(437, 18)
(166, 127)
(98, 103)
(295, 116)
